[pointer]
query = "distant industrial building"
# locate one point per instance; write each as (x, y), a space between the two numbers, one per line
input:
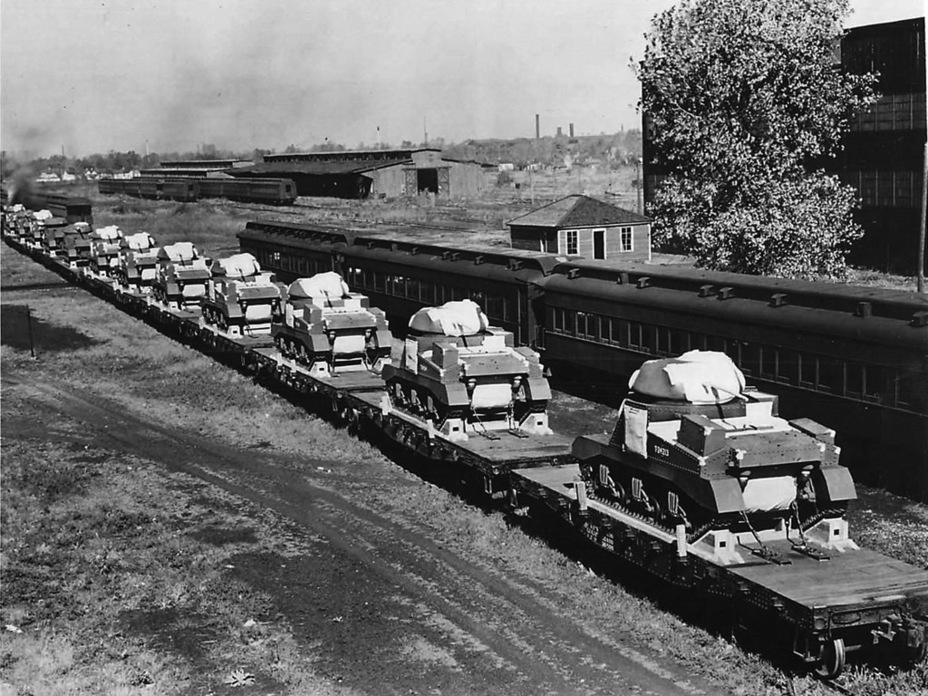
(582, 226)
(882, 154)
(195, 168)
(372, 173)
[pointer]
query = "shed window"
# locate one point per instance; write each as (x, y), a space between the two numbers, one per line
(626, 239)
(572, 242)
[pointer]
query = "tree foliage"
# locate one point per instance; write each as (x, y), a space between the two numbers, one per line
(744, 98)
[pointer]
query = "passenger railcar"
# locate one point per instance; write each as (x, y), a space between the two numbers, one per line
(254, 190)
(150, 187)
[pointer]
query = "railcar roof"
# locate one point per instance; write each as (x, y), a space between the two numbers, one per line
(854, 299)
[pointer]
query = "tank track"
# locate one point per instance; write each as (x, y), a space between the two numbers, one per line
(698, 532)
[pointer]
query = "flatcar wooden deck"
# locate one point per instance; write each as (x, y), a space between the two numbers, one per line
(850, 579)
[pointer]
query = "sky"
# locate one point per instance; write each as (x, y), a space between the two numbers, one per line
(88, 76)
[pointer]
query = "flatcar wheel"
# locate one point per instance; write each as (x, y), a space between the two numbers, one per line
(831, 660)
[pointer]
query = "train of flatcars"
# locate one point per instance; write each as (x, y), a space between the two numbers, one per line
(249, 190)
(791, 567)
(853, 358)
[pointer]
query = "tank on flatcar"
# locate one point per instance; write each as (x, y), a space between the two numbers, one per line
(181, 277)
(35, 229)
(104, 250)
(16, 221)
(328, 328)
(54, 231)
(138, 262)
(77, 244)
(463, 376)
(241, 300)
(694, 446)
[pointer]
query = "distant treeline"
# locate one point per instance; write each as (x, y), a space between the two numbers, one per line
(610, 149)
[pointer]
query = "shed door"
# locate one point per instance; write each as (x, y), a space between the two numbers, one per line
(599, 244)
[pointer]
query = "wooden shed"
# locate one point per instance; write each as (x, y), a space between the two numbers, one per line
(583, 226)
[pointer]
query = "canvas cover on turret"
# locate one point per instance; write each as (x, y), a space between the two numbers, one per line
(322, 286)
(698, 377)
(109, 233)
(458, 318)
(179, 252)
(237, 266)
(140, 241)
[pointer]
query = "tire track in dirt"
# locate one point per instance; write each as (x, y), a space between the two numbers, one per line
(533, 642)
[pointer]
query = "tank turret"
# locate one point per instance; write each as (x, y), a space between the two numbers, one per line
(138, 262)
(463, 376)
(695, 446)
(181, 277)
(104, 250)
(240, 299)
(328, 328)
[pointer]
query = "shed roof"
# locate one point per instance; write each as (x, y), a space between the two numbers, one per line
(317, 168)
(578, 211)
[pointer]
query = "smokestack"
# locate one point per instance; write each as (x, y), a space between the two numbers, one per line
(559, 132)
(571, 130)
(537, 127)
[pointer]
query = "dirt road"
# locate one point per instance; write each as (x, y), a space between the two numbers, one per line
(389, 608)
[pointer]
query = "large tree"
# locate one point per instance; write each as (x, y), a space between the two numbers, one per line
(744, 97)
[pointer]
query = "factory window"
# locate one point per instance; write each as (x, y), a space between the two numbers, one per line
(626, 239)
(571, 243)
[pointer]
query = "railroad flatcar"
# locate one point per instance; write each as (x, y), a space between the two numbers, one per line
(253, 190)
(855, 359)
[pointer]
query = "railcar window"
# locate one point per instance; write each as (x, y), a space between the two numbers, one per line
(635, 331)
(586, 325)
(853, 379)
(874, 386)
(480, 298)
(275, 257)
(912, 391)
(826, 374)
(788, 366)
(494, 306)
(510, 308)
(748, 358)
(380, 281)
(426, 292)
(807, 364)
(768, 362)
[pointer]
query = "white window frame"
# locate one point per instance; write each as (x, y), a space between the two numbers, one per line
(566, 249)
(631, 239)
